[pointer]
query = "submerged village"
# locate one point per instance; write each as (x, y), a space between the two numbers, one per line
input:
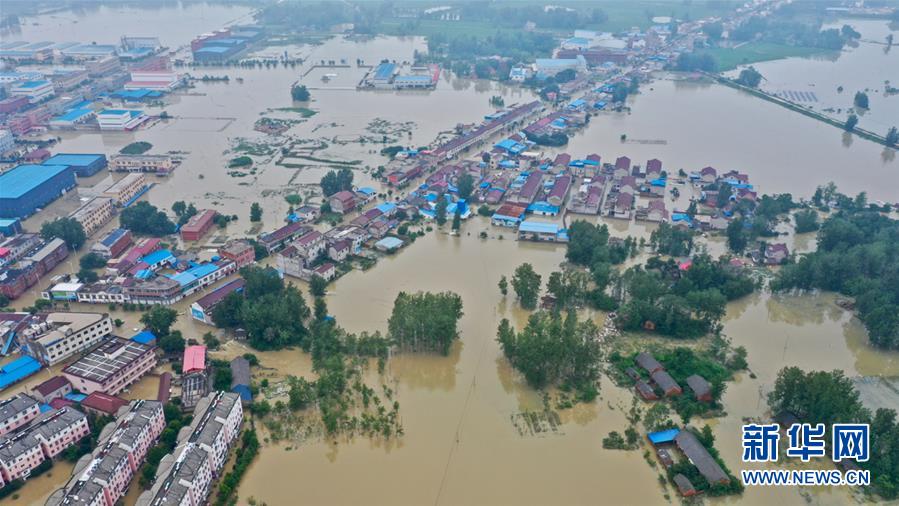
(274, 244)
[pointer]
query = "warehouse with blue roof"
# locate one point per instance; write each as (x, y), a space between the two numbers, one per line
(26, 188)
(84, 165)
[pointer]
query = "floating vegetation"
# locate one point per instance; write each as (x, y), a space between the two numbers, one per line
(302, 111)
(274, 126)
(537, 423)
(254, 148)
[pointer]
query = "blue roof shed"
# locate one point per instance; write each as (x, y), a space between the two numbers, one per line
(663, 436)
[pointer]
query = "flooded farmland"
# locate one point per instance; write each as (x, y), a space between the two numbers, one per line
(461, 444)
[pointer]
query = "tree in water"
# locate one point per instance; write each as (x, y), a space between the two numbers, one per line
(503, 285)
(299, 93)
(526, 283)
(861, 100)
(457, 219)
(440, 211)
(851, 121)
(892, 137)
(255, 212)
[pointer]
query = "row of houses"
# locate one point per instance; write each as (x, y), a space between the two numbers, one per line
(147, 274)
(42, 439)
(103, 476)
(186, 475)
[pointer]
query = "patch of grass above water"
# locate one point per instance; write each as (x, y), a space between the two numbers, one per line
(302, 111)
(729, 58)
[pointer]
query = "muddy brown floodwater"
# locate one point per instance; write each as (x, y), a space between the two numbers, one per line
(460, 445)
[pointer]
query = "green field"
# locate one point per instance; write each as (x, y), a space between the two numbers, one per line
(754, 52)
(622, 15)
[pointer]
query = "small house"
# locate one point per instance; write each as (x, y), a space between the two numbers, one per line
(240, 379)
(700, 387)
(708, 175)
(53, 388)
(648, 363)
(339, 250)
(684, 487)
(666, 383)
(645, 391)
(776, 254)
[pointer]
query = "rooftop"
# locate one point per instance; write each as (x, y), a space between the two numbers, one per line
(538, 227)
(74, 160)
(24, 178)
(108, 359)
(194, 358)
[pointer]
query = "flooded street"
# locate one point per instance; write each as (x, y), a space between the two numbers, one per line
(461, 446)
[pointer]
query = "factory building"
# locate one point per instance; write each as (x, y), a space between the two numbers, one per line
(26, 188)
(120, 119)
(84, 165)
(35, 91)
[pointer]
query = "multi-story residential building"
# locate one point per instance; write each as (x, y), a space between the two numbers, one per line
(120, 119)
(17, 246)
(342, 202)
(159, 164)
(46, 438)
(103, 477)
(275, 240)
(182, 477)
(62, 335)
(95, 213)
(111, 366)
(297, 258)
(35, 91)
(127, 188)
(238, 251)
(15, 280)
(17, 411)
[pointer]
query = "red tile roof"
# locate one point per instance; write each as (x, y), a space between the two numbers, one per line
(103, 402)
(51, 385)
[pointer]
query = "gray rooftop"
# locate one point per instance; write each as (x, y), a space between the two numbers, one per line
(16, 404)
(107, 359)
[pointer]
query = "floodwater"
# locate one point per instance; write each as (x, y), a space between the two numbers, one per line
(460, 446)
(106, 24)
(691, 125)
(865, 66)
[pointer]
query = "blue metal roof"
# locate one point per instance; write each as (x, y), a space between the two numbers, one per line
(157, 256)
(24, 178)
(538, 227)
(32, 84)
(74, 160)
(73, 115)
(385, 70)
(243, 391)
(663, 436)
(213, 49)
(367, 190)
(17, 370)
(386, 207)
(203, 270)
(145, 337)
